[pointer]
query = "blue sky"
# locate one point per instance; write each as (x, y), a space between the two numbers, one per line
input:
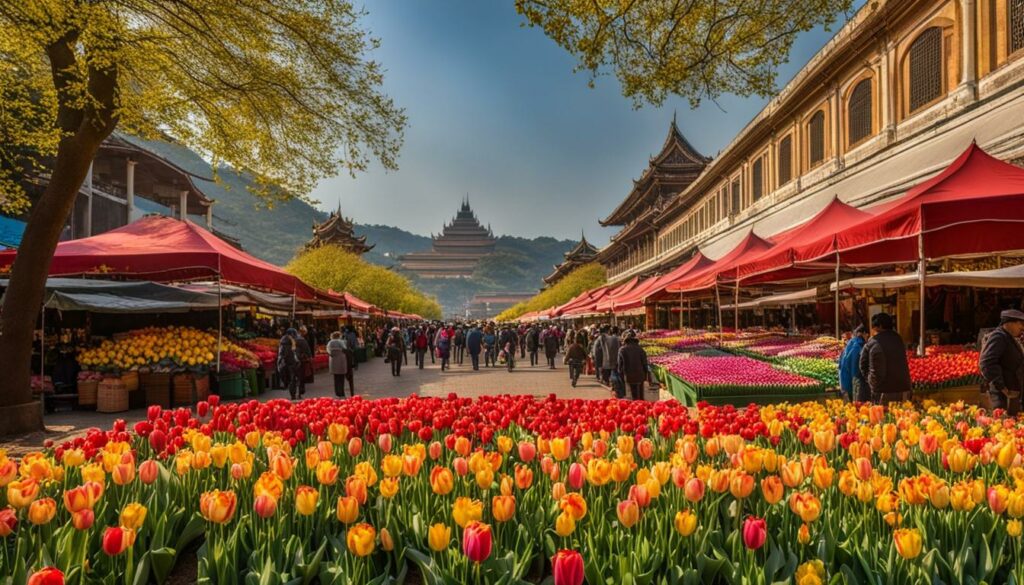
(496, 111)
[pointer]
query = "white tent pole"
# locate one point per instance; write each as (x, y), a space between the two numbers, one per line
(736, 307)
(922, 268)
(718, 302)
(836, 332)
(680, 310)
(220, 317)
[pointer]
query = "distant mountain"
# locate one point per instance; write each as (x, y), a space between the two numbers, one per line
(277, 231)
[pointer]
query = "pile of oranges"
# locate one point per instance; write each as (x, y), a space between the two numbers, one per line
(158, 347)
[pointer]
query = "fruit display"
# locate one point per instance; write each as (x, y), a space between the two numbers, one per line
(515, 489)
(163, 349)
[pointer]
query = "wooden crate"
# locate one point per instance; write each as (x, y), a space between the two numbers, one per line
(189, 388)
(157, 388)
(131, 380)
(87, 392)
(111, 396)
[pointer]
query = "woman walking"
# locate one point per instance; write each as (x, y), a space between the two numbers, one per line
(338, 363)
(395, 351)
(288, 362)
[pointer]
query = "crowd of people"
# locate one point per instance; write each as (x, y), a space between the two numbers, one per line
(613, 356)
(874, 367)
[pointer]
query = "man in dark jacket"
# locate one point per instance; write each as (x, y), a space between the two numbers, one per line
(533, 344)
(305, 353)
(474, 343)
(549, 339)
(632, 365)
(1002, 362)
(459, 341)
(883, 362)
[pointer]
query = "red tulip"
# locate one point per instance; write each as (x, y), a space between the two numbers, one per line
(476, 541)
(567, 567)
(8, 521)
(755, 531)
(116, 540)
(577, 475)
(47, 576)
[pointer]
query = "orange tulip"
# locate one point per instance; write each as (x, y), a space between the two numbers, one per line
(264, 506)
(218, 506)
(772, 489)
(694, 490)
(268, 484)
(22, 493)
(389, 487)
(805, 505)
(148, 471)
(42, 511)
(741, 485)
(441, 480)
(355, 486)
(347, 509)
(574, 504)
(524, 477)
(327, 473)
(503, 508)
(628, 513)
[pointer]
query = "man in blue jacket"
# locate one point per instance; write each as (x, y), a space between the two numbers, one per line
(851, 380)
(474, 341)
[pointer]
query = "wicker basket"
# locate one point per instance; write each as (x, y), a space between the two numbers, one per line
(157, 388)
(111, 396)
(87, 392)
(131, 380)
(183, 383)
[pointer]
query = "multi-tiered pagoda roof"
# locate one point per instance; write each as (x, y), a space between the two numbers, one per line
(456, 251)
(337, 230)
(580, 254)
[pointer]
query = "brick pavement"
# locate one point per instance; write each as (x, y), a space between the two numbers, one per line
(372, 380)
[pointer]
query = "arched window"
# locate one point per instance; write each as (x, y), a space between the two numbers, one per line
(785, 160)
(925, 68)
(816, 138)
(1016, 25)
(859, 112)
(757, 179)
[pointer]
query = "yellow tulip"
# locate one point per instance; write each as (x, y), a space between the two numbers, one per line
(466, 510)
(133, 516)
(439, 536)
(503, 508)
(306, 498)
(908, 542)
(685, 522)
(564, 524)
(389, 487)
(360, 539)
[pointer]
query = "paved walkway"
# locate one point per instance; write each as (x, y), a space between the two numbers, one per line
(372, 380)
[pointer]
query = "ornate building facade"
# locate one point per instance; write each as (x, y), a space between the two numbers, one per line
(454, 252)
(582, 253)
(338, 230)
(900, 91)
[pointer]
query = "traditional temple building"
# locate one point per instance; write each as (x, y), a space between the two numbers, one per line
(456, 251)
(653, 202)
(582, 253)
(898, 93)
(338, 230)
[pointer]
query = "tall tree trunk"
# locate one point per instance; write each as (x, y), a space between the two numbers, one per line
(21, 304)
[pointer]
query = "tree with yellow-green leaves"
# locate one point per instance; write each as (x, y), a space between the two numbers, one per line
(697, 49)
(331, 267)
(281, 90)
(584, 278)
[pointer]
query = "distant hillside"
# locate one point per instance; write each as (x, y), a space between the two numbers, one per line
(275, 232)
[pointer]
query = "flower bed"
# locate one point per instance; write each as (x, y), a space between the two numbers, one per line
(487, 490)
(944, 370)
(737, 375)
(825, 371)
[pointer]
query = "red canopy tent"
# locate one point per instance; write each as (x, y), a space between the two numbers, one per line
(166, 249)
(975, 206)
(807, 240)
(608, 302)
(752, 246)
(655, 286)
(587, 304)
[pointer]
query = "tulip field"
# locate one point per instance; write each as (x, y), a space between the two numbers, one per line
(513, 489)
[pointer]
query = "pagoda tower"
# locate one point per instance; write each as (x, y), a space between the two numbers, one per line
(580, 254)
(456, 251)
(337, 230)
